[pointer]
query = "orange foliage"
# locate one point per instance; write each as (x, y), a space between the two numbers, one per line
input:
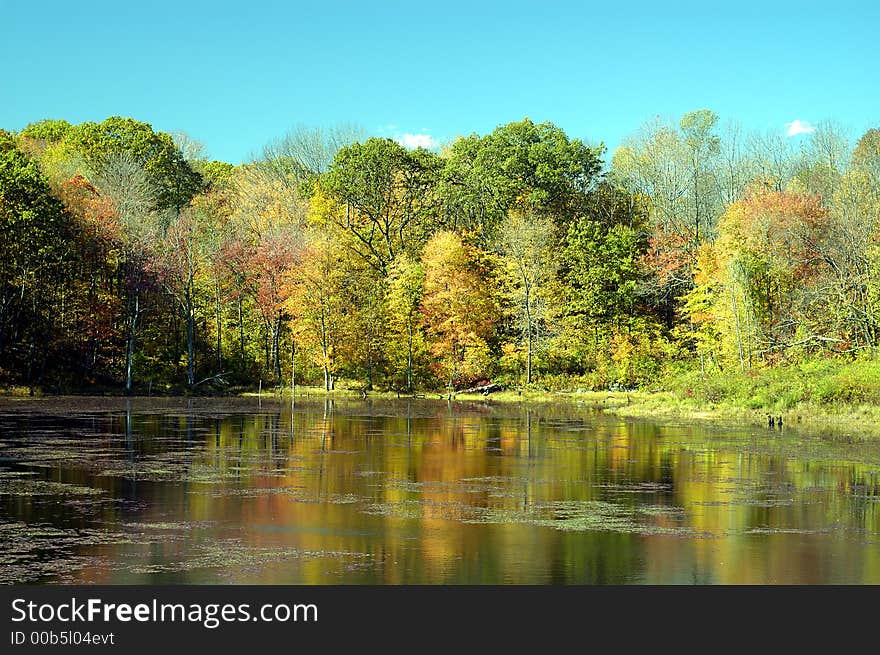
(788, 228)
(96, 213)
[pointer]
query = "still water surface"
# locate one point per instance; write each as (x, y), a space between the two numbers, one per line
(422, 492)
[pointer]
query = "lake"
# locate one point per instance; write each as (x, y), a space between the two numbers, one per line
(156, 491)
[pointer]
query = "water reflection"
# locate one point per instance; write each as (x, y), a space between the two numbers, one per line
(137, 491)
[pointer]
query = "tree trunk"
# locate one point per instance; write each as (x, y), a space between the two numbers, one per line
(131, 334)
(190, 339)
(266, 331)
(219, 316)
(736, 325)
(529, 338)
(292, 368)
(240, 331)
(276, 346)
(325, 355)
(529, 359)
(409, 357)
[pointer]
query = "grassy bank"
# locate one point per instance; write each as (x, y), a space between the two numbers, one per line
(836, 398)
(840, 399)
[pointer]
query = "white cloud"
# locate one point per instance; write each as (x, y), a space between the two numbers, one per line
(418, 141)
(799, 127)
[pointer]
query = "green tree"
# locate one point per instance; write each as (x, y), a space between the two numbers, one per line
(175, 180)
(384, 198)
(484, 177)
(48, 130)
(601, 266)
(35, 232)
(525, 241)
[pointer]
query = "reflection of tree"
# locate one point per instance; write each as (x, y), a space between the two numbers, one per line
(437, 468)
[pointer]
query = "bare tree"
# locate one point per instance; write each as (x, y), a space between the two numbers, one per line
(192, 149)
(124, 180)
(774, 159)
(826, 159)
(736, 167)
(305, 151)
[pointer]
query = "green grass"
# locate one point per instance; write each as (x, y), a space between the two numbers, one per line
(840, 398)
(825, 384)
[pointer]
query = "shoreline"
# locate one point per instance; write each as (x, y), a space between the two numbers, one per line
(846, 423)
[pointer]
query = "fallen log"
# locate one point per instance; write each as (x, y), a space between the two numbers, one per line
(484, 389)
(218, 377)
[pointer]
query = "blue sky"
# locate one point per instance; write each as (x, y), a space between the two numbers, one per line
(234, 75)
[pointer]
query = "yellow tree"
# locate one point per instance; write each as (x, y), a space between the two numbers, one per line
(315, 303)
(268, 222)
(406, 281)
(758, 285)
(854, 254)
(459, 307)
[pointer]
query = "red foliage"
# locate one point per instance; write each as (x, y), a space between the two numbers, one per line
(669, 258)
(269, 262)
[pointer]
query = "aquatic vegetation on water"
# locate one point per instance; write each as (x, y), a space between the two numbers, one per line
(578, 516)
(27, 486)
(442, 493)
(31, 552)
(233, 554)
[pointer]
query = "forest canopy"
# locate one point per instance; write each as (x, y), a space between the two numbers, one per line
(523, 257)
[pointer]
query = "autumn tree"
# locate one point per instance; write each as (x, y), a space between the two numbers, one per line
(125, 183)
(315, 303)
(218, 231)
(866, 157)
(272, 259)
(406, 280)
(459, 308)
(364, 321)
(758, 283)
(264, 239)
(177, 260)
(852, 251)
(525, 240)
(677, 167)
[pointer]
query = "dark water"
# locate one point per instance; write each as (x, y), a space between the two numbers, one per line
(176, 491)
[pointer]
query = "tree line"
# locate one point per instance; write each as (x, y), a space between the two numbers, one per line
(525, 257)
